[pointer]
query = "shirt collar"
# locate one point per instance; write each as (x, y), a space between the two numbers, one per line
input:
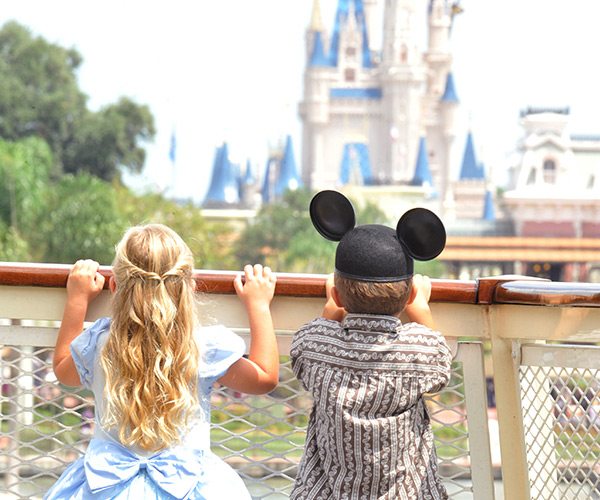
(371, 323)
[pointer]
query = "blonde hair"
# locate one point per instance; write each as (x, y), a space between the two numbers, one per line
(150, 359)
(371, 297)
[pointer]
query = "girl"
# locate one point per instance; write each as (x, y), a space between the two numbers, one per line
(151, 371)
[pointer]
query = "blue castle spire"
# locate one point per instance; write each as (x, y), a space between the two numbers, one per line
(341, 16)
(224, 188)
(489, 210)
(450, 94)
(422, 175)
(288, 173)
(318, 57)
(470, 169)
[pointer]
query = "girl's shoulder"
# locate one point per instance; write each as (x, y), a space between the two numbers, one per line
(219, 348)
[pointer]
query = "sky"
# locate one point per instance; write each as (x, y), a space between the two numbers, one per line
(232, 70)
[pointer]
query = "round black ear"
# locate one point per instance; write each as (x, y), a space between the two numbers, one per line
(422, 233)
(332, 214)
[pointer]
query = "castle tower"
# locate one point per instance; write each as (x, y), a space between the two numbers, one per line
(350, 97)
(403, 78)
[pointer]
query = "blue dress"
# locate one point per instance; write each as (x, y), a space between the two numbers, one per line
(109, 470)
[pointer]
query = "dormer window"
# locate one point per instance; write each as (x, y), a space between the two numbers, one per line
(549, 171)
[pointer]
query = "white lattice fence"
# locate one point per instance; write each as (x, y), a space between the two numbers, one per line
(560, 388)
(44, 428)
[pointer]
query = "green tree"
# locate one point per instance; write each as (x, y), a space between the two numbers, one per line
(83, 220)
(24, 179)
(13, 248)
(209, 242)
(40, 96)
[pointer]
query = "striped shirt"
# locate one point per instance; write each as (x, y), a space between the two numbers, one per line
(369, 435)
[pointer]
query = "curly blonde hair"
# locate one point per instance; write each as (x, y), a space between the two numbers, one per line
(150, 359)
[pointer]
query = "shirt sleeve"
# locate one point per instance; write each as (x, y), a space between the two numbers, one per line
(438, 376)
(219, 349)
(84, 347)
(296, 354)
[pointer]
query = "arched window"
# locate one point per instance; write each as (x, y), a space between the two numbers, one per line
(549, 171)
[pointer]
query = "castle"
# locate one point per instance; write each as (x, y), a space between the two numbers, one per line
(375, 117)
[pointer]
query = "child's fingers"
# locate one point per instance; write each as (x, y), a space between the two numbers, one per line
(248, 272)
(268, 274)
(237, 284)
(258, 270)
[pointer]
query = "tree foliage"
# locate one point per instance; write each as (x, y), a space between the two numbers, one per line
(40, 96)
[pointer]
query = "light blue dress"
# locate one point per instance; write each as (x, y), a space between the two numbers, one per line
(109, 470)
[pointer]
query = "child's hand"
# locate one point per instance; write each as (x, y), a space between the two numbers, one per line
(259, 286)
(422, 286)
(331, 309)
(84, 280)
(418, 309)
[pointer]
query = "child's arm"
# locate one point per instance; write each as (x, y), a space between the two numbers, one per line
(332, 310)
(418, 310)
(83, 285)
(259, 373)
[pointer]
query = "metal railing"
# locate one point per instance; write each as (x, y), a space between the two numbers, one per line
(530, 334)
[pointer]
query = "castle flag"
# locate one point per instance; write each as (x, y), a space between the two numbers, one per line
(173, 147)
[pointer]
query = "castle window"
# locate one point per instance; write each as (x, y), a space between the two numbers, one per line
(531, 177)
(549, 171)
(350, 75)
(350, 51)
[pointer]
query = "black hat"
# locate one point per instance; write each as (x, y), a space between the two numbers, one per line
(373, 252)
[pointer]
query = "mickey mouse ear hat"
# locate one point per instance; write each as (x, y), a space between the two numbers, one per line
(373, 252)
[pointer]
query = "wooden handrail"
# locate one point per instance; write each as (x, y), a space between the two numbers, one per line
(494, 290)
(288, 284)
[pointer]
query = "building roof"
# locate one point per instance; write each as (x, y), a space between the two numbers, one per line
(341, 16)
(318, 57)
(450, 94)
(470, 169)
(224, 188)
(489, 209)
(510, 249)
(287, 177)
(422, 175)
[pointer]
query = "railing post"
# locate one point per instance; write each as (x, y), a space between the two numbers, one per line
(515, 474)
(471, 355)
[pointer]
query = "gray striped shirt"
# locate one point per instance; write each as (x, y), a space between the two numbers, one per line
(369, 435)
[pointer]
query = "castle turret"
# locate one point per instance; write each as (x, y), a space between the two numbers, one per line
(224, 185)
(422, 175)
(470, 190)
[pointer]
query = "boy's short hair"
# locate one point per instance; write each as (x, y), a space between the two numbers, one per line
(371, 297)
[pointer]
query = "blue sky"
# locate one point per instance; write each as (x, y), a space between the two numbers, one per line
(232, 70)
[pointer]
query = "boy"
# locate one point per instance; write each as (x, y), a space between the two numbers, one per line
(369, 435)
